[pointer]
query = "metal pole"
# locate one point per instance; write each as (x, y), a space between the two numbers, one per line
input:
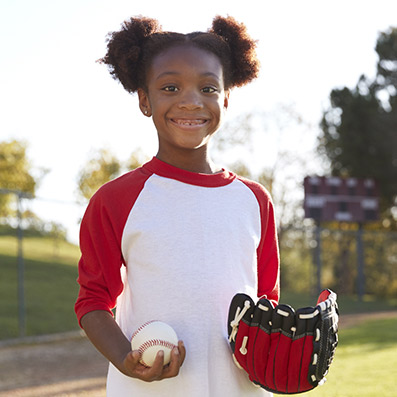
(361, 264)
(20, 262)
(317, 254)
(21, 272)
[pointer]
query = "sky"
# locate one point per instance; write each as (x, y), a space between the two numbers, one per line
(64, 105)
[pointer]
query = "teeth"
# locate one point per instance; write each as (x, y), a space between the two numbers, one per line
(190, 122)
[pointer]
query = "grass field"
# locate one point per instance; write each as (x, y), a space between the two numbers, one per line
(365, 363)
(50, 286)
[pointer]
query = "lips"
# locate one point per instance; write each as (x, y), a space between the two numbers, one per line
(189, 122)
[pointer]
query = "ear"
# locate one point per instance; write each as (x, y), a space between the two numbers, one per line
(144, 103)
(226, 99)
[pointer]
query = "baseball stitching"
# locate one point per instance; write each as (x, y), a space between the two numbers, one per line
(141, 328)
(153, 342)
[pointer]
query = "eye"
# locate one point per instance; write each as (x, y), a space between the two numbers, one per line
(170, 88)
(209, 90)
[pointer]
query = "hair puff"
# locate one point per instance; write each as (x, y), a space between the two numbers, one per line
(244, 61)
(125, 51)
(131, 50)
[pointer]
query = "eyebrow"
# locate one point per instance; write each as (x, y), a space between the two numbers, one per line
(174, 73)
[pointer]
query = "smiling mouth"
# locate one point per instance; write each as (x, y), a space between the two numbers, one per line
(189, 122)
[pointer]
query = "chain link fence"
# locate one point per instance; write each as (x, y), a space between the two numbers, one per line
(38, 265)
(352, 262)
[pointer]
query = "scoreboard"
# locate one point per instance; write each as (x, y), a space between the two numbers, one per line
(341, 199)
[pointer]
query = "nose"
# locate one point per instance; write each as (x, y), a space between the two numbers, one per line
(190, 100)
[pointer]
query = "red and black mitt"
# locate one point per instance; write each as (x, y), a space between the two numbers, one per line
(284, 351)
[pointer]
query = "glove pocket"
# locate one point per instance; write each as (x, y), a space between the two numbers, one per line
(283, 327)
(262, 320)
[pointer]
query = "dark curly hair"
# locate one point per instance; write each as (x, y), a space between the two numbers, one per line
(132, 49)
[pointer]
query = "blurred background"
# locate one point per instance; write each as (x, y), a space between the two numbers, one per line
(325, 105)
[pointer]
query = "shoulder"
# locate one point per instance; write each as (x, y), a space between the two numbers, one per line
(126, 184)
(114, 200)
(260, 192)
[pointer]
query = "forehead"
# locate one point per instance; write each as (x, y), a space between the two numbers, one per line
(186, 59)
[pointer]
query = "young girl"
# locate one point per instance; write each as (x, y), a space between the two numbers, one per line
(175, 239)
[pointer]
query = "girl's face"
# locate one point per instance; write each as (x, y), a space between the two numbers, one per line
(186, 97)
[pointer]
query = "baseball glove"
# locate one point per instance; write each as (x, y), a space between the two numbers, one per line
(284, 351)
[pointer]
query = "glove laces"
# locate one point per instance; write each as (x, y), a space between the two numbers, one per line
(237, 318)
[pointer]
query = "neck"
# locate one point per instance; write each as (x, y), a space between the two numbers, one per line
(192, 161)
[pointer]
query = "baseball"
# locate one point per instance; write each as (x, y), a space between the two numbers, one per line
(152, 337)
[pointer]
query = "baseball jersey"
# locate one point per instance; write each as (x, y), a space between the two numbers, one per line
(162, 243)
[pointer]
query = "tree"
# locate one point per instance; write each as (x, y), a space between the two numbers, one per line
(386, 47)
(359, 130)
(15, 173)
(99, 169)
(136, 159)
(102, 167)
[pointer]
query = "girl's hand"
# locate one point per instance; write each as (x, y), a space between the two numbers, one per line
(159, 371)
(107, 337)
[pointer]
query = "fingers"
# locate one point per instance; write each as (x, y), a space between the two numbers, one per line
(182, 352)
(178, 355)
(259, 339)
(158, 370)
(139, 371)
(283, 326)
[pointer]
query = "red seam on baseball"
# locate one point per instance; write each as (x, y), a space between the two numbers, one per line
(141, 328)
(154, 342)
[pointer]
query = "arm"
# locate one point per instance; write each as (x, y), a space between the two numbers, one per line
(267, 252)
(268, 257)
(100, 285)
(107, 337)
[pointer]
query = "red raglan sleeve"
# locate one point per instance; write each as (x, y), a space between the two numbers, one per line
(267, 252)
(268, 255)
(100, 243)
(101, 260)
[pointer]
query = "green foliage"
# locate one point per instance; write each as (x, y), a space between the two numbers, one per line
(100, 168)
(297, 272)
(15, 173)
(360, 128)
(381, 263)
(359, 139)
(136, 159)
(386, 47)
(339, 260)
